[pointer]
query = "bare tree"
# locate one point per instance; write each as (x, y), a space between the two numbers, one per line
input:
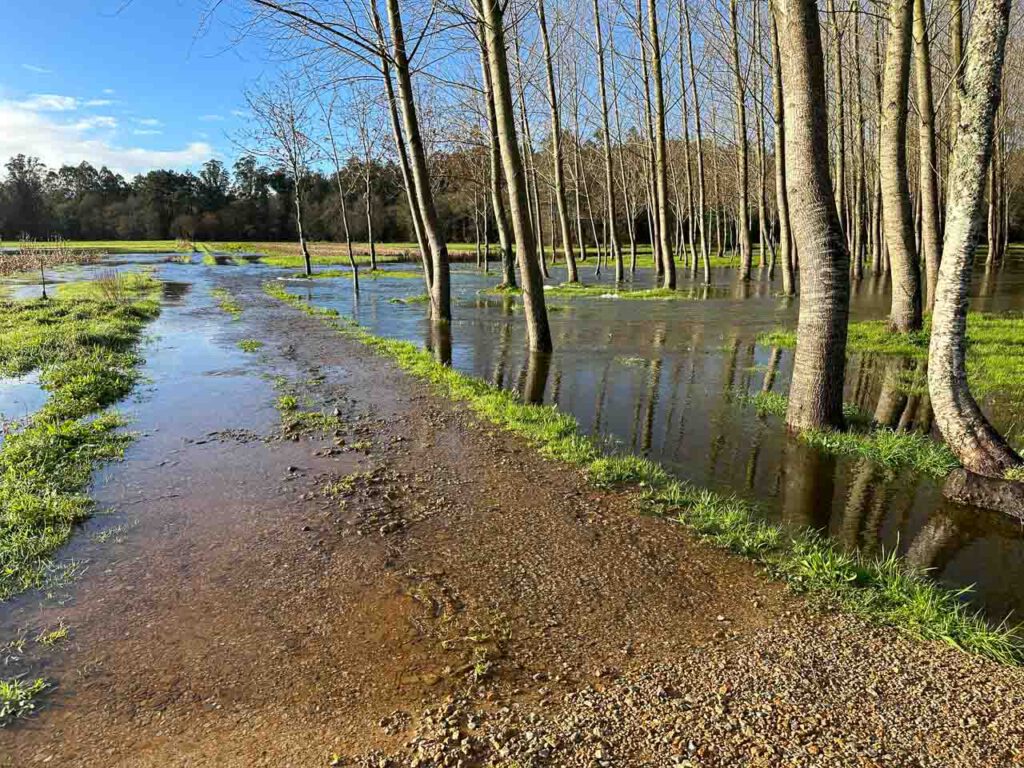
(280, 132)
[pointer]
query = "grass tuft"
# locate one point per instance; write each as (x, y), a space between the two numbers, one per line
(250, 345)
(18, 698)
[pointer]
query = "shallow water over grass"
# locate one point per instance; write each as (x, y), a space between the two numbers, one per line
(665, 379)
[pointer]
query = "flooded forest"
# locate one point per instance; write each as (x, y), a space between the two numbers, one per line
(540, 383)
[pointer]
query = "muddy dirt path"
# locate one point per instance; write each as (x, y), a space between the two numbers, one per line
(414, 588)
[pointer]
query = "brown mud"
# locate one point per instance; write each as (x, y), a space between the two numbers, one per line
(417, 588)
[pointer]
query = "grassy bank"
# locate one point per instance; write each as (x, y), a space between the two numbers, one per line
(995, 350)
(884, 591)
(83, 344)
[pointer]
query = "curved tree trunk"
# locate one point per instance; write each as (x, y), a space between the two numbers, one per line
(819, 367)
(930, 238)
(896, 211)
(980, 448)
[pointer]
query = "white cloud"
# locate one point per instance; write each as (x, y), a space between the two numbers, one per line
(37, 69)
(49, 102)
(98, 103)
(211, 118)
(149, 122)
(146, 132)
(108, 91)
(26, 128)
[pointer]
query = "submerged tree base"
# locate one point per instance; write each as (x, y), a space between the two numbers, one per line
(883, 590)
(1006, 496)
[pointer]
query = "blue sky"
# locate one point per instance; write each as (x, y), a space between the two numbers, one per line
(133, 85)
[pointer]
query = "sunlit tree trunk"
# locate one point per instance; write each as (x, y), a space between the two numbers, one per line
(609, 171)
(556, 150)
(896, 209)
(819, 366)
(515, 175)
(742, 161)
(930, 238)
(980, 448)
(705, 248)
(781, 195)
(508, 270)
(440, 289)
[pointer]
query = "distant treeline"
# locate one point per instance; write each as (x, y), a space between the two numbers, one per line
(247, 202)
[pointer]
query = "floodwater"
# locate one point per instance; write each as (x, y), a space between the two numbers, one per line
(660, 378)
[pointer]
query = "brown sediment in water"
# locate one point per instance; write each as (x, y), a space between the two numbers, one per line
(365, 594)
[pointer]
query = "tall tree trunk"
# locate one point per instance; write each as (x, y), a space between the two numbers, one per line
(556, 150)
(819, 367)
(508, 270)
(781, 195)
(412, 198)
(980, 448)
(930, 238)
(742, 162)
(839, 178)
(705, 247)
(896, 209)
(609, 172)
(440, 289)
(306, 261)
(860, 159)
(660, 151)
(533, 284)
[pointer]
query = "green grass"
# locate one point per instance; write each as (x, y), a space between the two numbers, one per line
(295, 420)
(227, 302)
(995, 351)
(250, 345)
(84, 350)
(881, 590)
(18, 698)
(420, 298)
(891, 449)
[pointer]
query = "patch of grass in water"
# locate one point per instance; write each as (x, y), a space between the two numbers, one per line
(18, 698)
(84, 349)
(888, 448)
(995, 350)
(883, 590)
(421, 298)
(250, 345)
(227, 302)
